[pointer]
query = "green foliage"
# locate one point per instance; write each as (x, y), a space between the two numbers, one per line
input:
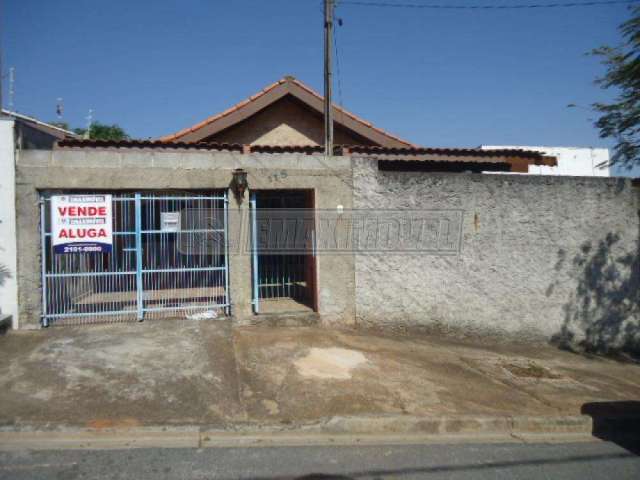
(620, 120)
(101, 131)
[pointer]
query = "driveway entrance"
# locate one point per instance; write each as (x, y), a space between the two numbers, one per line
(169, 258)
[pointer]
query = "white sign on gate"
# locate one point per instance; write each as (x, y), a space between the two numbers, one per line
(81, 223)
(170, 221)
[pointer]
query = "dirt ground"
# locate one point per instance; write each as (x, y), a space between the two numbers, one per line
(208, 373)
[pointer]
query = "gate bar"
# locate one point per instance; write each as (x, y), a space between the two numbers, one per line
(254, 253)
(138, 226)
(227, 297)
(43, 262)
(87, 274)
(180, 198)
(175, 270)
(92, 314)
(201, 230)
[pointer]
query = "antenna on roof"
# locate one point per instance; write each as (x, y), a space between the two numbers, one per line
(12, 90)
(87, 133)
(59, 108)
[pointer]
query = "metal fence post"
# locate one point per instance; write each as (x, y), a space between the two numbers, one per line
(43, 261)
(138, 226)
(254, 253)
(227, 294)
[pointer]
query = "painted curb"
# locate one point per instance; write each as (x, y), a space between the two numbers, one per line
(335, 430)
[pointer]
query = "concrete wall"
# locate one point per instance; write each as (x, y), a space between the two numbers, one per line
(529, 257)
(286, 122)
(540, 257)
(8, 253)
(114, 169)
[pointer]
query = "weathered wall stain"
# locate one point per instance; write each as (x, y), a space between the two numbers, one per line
(556, 257)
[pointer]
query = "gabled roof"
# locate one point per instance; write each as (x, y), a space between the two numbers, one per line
(274, 92)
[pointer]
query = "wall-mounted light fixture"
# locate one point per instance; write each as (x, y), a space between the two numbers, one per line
(239, 183)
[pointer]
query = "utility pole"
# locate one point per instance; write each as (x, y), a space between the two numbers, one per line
(328, 76)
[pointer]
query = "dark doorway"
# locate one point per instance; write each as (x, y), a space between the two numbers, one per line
(284, 271)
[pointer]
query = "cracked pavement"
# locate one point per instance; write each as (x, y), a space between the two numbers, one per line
(213, 374)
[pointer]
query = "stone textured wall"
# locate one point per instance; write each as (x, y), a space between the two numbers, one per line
(541, 257)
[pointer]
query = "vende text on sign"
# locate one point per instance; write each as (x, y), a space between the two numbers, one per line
(81, 223)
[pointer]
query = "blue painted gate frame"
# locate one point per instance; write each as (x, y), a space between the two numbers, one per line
(150, 272)
(255, 301)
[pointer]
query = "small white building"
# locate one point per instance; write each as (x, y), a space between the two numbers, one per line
(572, 161)
(17, 132)
(8, 251)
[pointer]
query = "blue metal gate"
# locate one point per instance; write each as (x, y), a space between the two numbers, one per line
(152, 271)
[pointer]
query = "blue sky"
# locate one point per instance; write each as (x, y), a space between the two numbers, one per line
(438, 78)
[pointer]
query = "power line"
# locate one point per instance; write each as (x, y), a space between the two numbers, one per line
(593, 3)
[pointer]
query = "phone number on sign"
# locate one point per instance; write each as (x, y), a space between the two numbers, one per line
(83, 249)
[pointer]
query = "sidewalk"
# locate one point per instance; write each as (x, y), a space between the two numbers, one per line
(211, 377)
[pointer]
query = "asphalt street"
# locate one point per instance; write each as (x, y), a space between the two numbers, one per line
(577, 461)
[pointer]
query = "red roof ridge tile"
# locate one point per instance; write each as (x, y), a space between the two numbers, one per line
(213, 118)
(253, 98)
(353, 115)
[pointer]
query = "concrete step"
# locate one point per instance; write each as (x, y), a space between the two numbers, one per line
(285, 319)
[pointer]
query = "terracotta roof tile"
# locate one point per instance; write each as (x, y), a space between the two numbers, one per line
(213, 118)
(472, 155)
(147, 144)
(352, 115)
(253, 98)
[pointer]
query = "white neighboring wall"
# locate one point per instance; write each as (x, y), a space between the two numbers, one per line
(572, 161)
(8, 246)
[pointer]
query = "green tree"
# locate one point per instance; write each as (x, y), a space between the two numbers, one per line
(620, 120)
(102, 131)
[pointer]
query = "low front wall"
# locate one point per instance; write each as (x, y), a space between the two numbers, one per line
(131, 169)
(534, 257)
(552, 257)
